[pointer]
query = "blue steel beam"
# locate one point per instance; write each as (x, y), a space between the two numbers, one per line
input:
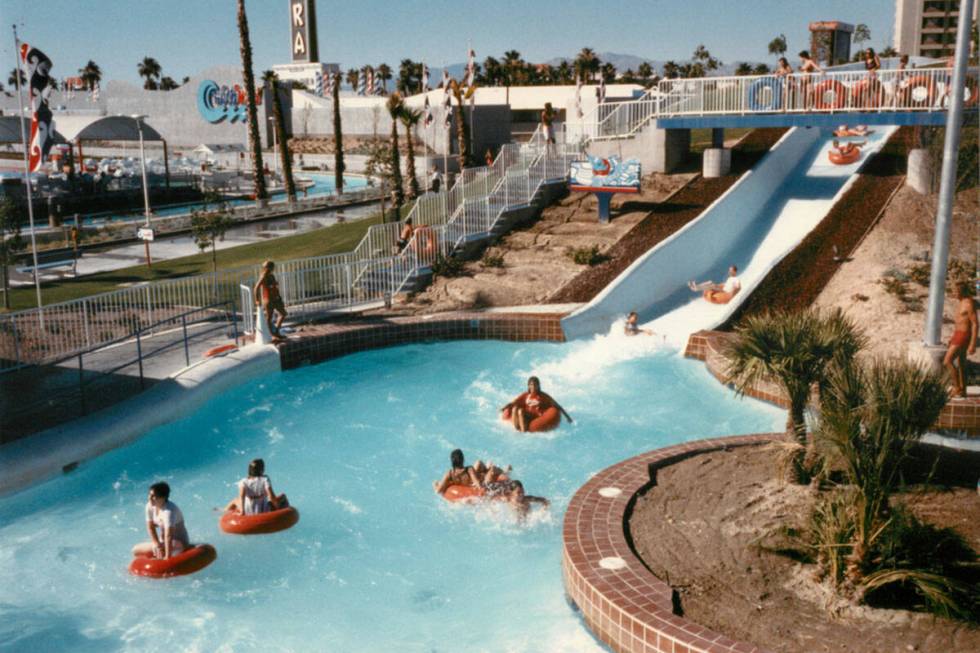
(827, 120)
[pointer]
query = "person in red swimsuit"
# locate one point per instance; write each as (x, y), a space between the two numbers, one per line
(528, 405)
(267, 295)
(964, 339)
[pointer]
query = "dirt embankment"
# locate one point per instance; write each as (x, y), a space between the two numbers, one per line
(666, 218)
(698, 530)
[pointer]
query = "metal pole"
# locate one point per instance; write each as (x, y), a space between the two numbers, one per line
(947, 187)
(187, 353)
(27, 174)
(146, 193)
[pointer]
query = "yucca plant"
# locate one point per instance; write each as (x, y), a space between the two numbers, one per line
(795, 350)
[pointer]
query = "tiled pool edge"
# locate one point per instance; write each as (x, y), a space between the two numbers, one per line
(959, 415)
(39, 457)
(623, 604)
(318, 343)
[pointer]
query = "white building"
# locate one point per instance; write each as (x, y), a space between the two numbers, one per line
(305, 73)
(927, 27)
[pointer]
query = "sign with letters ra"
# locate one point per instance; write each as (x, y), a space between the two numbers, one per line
(302, 31)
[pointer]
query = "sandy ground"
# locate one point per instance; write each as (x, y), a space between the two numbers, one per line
(901, 240)
(696, 530)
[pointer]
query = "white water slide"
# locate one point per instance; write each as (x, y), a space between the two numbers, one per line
(754, 225)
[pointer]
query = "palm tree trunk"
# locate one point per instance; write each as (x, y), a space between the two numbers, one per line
(284, 155)
(462, 133)
(338, 139)
(397, 190)
(413, 181)
(248, 78)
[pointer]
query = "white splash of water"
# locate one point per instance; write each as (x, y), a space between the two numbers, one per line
(347, 505)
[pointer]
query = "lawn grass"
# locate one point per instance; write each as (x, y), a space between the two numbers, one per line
(328, 240)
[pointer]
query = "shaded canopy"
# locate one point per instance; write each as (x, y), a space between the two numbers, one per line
(103, 128)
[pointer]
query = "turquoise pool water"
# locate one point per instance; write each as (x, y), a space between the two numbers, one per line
(377, 561)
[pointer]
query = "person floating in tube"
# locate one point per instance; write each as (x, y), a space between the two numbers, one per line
(513, 493)
(847, 148)
(255, 493)
(165, 524)
(477, 475)
(719, 293)
(267, 295)
(531, 404)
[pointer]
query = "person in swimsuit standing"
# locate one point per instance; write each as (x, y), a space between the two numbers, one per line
(807, 66)
(547, 121)
(267, 295)
(528, 405)
(963, 340)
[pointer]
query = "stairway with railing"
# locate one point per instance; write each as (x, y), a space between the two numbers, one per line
(370, 273)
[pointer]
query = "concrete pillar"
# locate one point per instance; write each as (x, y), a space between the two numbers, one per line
(717, 162)
(919, 175)
(717, 137)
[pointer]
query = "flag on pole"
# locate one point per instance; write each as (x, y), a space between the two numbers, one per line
(471, 68)
(37, 67)
(447, 107)
(318, 84)
(601, 91)
(425, 78)
(94, 94)
(427, 116)
(578, 97)
(444, 85)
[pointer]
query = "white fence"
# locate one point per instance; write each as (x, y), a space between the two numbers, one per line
(376, 269)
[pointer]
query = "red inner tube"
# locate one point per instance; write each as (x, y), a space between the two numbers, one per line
(829, 86)
(868, 93)
(458, 492)
(186, 562)
(908, 94)
(546, 421)
(263, 522)
(214, 351)
(843, 159)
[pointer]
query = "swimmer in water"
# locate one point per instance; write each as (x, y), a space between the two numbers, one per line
(632, 328)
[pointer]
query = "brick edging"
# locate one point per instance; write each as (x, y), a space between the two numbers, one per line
(621, 601)
(958, 415)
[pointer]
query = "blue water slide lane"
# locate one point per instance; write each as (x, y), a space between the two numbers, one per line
(753, 225)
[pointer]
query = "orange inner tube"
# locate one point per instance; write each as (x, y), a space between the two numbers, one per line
(186, 562)
(829, 86)
(214, 351)
(718, 296)
(837, 158)
(261, 523)
(456, 492)
(908, 94)
(868, 93)
(546, 421)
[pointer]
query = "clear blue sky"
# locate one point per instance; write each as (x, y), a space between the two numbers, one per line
(187, 36)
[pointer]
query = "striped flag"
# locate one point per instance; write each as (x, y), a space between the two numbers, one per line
(578, 98)
(427, 116)
(94, 95)
(444, 85)
(318, 85)
(37, 67)
(425, 78)
(471, 68)
(447, 107)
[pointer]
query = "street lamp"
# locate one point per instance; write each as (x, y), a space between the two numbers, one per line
(275, 146)
(148, 234)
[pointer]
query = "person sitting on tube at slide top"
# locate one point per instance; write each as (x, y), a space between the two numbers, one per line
(719, 293)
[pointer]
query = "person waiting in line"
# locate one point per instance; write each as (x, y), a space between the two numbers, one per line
(255, 493)
(963, 340)
(267, 295)
(632, 328)
(479, 475)
(513, 493)
(165, 524)
(784, 71)
(406, 234)
(531, 404)
(872, 63)
(488, 157)
(435, 180)
(548, 117)
(900, 93)
(808, 67)
(719, 293)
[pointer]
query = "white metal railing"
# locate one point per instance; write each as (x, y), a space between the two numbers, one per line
(248, 309)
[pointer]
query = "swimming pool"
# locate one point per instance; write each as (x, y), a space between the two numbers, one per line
(377, 561)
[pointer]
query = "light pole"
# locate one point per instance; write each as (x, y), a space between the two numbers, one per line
(275, 145)
(146, 190)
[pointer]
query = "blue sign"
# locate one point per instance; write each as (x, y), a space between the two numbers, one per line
(220, 103)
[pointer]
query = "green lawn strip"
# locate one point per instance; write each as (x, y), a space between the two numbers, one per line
(329, 240)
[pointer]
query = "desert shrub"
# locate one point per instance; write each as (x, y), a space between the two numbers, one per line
(491, 260)
(447, 266)
(919, 273)
(587, 255)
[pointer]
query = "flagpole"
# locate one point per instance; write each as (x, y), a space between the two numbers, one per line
(27, 174)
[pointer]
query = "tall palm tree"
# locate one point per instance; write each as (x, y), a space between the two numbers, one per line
(491, 72)
(338, 139)
(644, 71)
(587, 64)
(511, 70)
(410, 118)
(395, 106)
(794, 350)
(608, 72)
(149, 69)
(271, 80)
(168, 84)
(353, 77)
(91, 74)
(384, 74)
(462, 125)
(670, 69)
(253, 118)
(565, 72)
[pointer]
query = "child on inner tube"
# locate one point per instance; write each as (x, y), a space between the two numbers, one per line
(478, 475)
(255, 493)
(531, 404)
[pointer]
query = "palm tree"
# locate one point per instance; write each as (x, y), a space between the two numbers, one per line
(409, 76)
(743, 68)
(253, 118)
(168, 84)
(384, 74)
(862, 33)
(777, 46)
(338, 139)
(511, 71)
(794, 350)
(761, 69)
(492, 72)
(462, 126)
(644, 71)
(14, 74)
(353, 77)
(149, 69)
(608, 72)
(565, 72)
(410, 118)
(395, 105)
(586, 64)
(670, 69)
(91, 74)
(272, 85)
